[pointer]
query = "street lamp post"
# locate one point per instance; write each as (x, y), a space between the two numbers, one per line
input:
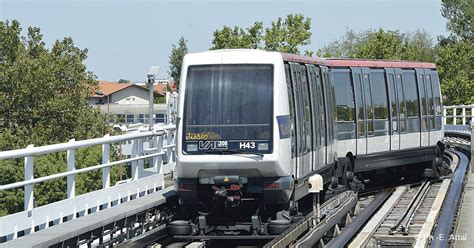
(151, 80)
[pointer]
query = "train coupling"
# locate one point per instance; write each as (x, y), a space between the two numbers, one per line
(227, 188)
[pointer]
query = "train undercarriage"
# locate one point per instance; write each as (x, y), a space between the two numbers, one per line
(231, 207)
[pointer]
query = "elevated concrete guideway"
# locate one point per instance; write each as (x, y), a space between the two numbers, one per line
(118, 221)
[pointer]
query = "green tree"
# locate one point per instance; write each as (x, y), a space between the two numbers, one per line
(43, 101)
(460, 15)
(237, 37)
(287, 36)
(123, 81)
(455, 58)
(283, 35)
(382, 44)
(419, 46)
(176, 59)
(455, 63)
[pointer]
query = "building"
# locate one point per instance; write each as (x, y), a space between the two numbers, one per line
(127, 103)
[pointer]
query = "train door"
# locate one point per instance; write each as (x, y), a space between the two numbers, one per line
(316, 100)
(307, 122)
(380, 141)
(369, 110)
(330, 110)
(394, 109)
(425, 134)
(361, 144)
(292, 117)
(303, 156)
(402, 110)
(430, 108)
(319, 90)
(413, 125)
(346, 124)
(438, 108)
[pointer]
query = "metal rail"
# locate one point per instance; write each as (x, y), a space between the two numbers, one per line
(350, 230)
(332, 211)
(331, 219)
(447, 217)
(402, 223)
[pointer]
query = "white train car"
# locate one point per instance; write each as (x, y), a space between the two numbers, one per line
(253, 126)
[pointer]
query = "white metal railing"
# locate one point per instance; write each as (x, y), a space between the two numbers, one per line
(452, 115)
(154, 145)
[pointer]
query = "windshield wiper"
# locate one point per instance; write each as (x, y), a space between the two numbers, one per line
(235, 151)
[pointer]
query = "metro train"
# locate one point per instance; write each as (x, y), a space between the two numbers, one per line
(254, 125)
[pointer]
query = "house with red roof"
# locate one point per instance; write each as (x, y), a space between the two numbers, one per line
(128, 102)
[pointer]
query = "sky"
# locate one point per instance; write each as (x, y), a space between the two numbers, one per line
(124, 38)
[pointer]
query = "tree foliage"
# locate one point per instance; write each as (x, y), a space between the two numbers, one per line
(456, 53)
(283, 35)
(176, 59)
(123, 81)
(455, 63)
(43, 101)
(382, 44)
(460, 15)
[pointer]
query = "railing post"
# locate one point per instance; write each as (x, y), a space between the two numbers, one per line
(140, 163)
(454, 116)
(105, 159)
(169, 140)
(472, 116)
(71, 166)
(158, 160)
(463, 116)
(29, 175)
(472, 147)
(445, 116)
(134, 163)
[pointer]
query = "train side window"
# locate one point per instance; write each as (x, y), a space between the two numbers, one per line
(421, 89)
(331, 106)
(401, 104)
(322, 107)
(431, 108)
(292, 110)
(359, 103)
(410, 91)
(437, 100)
(310, 69)
(344, 104)
(298, 107)
(379, 101)
(369, 106)
(392, 89)
(306, 109)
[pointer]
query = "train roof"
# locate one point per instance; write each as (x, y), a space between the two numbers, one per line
(336, 62)
(246, 54)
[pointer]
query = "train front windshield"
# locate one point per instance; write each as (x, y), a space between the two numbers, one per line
(228, 109)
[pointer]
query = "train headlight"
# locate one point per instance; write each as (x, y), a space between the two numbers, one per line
(192, 147)
(262, 146)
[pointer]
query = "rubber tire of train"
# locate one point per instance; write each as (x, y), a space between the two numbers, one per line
(276, 227)
(179, 227)
(346, 165)
(437, 163)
